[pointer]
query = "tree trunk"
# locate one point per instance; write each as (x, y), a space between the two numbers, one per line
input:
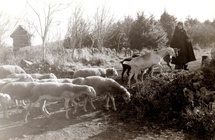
(44, 49)
(213, 53)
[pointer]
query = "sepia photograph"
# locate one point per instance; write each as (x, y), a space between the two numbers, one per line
(107, 70)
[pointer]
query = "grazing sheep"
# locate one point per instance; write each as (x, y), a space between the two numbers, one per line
(6, 70)
(18, 91)
(64, 80)
(105, 86)
(20, 75)
(109, 72)
(46, 80)
(5, 81)
(5, 101)
(43, 76)
(57, 91)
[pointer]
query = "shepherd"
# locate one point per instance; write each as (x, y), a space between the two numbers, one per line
(181, 41)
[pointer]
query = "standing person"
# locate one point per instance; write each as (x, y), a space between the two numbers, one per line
(181, 41)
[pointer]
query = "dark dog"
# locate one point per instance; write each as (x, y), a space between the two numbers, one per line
(127, 67)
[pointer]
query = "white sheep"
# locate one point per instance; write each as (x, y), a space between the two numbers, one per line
(64, 80)
(43, 76)
(5, 81)
(6, 70)
(108, 72)
(56, 91)
(46, 80)
(105, 86)
(20, 76)
(5, 101)
(18, 91)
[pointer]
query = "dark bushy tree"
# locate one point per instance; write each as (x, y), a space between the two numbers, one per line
(168, 23)
(146, 33)
(116, 37)
(201, 33)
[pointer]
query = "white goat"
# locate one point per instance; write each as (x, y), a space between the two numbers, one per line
(57, 91)
(146, 61)
(5, 101)
(18, 91)
(109, 72)
(6, 70)
(105, 86)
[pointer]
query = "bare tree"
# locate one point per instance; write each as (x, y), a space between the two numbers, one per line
(45, 13)
(78, 28)
(102, 22)
(4, 23)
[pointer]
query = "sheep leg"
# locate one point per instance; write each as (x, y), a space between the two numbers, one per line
(84, 106)
(45, 112)
(91, 103)
(113, 102)
(75, 105)
(17, 106)
(28, 111)
(30, 108)
(23, 103)
(66, 106)
(107, 102)
(5, 112)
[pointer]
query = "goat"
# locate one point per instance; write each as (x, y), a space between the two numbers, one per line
(5, 101)
(6, 70)
(146, 61)
(18, 91)
(108, 72)
(56, 91)
(105, 86)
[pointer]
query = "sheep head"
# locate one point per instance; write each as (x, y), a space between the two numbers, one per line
(111, 72)
(126, 96)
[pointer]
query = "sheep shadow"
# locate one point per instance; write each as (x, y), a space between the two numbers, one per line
(37, 124)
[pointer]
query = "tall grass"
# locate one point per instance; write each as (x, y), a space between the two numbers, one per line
(59, 57)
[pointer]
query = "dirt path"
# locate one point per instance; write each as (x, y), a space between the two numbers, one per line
(94, 125)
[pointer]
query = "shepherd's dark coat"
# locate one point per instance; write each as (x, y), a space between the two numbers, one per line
(185, 54)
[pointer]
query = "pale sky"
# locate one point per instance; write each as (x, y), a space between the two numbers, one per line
(181, 9)
(200, 9)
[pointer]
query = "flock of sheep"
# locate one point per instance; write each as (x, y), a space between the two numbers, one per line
(16, 86)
